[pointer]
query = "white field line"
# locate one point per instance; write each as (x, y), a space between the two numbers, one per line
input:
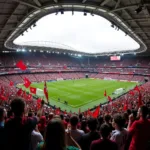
(74, 106)
(92, 100)
(87, 101)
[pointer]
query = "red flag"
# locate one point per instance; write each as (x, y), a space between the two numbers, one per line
(7, 95)
(21, 65)
(27, 83)
(131, 92)
(57, 111)
(45, 91)
(29, 97)
(105, 93)
(33, 90)
(125, 106)
(3, 98)
(24, 95)
(39, 100)
(89, 112)
(65, 112)
(137, 88)
(2, 90)
(38, 105)
(141, 88)
(11, 83)
(140, 100)
(109, 99)
(19, 92)
(96, 112)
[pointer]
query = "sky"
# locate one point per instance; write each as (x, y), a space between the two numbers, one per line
(91, 34)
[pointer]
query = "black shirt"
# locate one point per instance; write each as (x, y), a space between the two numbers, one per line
(18, 133)
(87, 139)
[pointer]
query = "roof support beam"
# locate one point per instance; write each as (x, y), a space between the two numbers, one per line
(83, 1)
(37, 3)
(6, 14)
(105, 2)
(27, 4)
(137, 19)
(137, 24)
(9, 29)
(8, 24)
(56, 1)
(9, 17)
(144, 28)
(148, 13)
(141, 32)
(129, 7)
(117, 4)
(30, 5)
(133, 5)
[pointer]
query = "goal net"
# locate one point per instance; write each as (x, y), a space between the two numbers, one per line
(119, 91)
(60, 79)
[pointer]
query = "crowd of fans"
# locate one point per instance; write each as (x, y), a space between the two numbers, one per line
(40, 59)
(128, 68)
(22, 129)
(121, 124)
(39, 77)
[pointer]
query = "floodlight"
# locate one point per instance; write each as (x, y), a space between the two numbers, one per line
(112, 25)
(62, 11)
(85, 14)
(92, 14)
(139, 9)
(34, 25)
(72, 12)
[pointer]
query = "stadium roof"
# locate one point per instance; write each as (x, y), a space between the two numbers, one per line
(131, 16)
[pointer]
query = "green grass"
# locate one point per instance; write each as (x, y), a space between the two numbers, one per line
(83, 93)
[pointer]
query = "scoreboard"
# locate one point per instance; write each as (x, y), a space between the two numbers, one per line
(115, 58)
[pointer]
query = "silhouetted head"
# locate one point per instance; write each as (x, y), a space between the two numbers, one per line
(55, 135)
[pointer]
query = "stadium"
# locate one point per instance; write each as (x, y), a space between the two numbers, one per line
(80, 65)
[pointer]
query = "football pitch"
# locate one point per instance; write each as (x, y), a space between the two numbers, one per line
(81, 93)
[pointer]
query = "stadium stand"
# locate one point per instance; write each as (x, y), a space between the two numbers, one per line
(117, 106)
(52, 59)
(29, 123)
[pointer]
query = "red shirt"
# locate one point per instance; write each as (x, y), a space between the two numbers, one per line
(140, 131)
(65, 124)
(42, 125)
(103, 145)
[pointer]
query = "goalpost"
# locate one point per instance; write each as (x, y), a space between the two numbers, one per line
(60, 79)
(119, 91)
